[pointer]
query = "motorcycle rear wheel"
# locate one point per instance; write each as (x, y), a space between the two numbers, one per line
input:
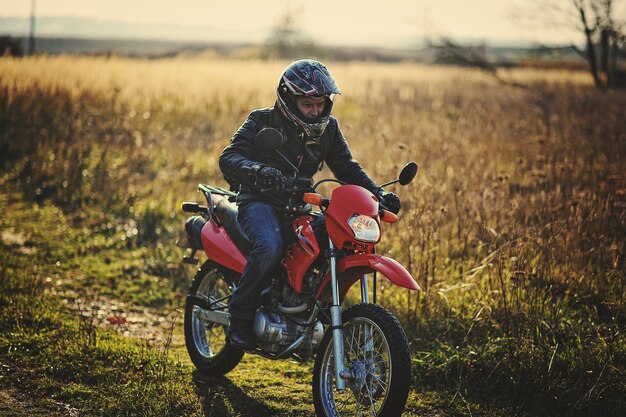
(206, 342)
(378, 357)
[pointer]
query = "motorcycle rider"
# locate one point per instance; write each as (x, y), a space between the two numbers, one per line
(311, 137)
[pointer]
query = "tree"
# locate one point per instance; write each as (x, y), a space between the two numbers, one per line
(595, 19)
(286, 39)
(448, 52)
(603, 32)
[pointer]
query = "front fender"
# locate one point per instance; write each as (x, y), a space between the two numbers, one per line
(350, 269)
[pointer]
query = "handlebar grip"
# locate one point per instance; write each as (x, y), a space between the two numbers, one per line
(297, 184)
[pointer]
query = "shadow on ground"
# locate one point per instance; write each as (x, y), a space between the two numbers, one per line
(221, 398)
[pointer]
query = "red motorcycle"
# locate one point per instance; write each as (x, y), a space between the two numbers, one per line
(362, 359)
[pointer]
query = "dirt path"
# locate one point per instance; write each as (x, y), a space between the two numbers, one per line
(19, 403)
(156, 326)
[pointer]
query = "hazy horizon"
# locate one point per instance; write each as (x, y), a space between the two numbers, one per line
(402, 23)
(106, 29)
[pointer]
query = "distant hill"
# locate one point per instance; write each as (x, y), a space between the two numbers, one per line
(159, 49)
(58, 35)
(92, 28)
(146, 48)
(124, 47)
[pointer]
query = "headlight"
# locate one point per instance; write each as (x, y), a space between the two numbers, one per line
(365, 228)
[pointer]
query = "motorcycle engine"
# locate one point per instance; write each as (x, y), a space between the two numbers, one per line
(274, 332)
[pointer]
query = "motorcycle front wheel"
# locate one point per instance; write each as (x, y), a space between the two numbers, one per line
(377, 356)
(206, 341)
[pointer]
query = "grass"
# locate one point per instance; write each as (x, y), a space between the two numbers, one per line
(513, 228)
(52, 353)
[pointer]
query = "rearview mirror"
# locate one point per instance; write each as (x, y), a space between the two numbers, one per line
(408, 173)
(268, 139)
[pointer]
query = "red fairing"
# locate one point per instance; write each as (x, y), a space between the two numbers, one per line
(350, 269)
(300, 256)
(339, 212)
(219, 247)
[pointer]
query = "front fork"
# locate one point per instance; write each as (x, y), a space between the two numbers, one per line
(336, 322)
(341, 373)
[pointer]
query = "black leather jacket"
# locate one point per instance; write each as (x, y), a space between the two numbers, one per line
(307, 155)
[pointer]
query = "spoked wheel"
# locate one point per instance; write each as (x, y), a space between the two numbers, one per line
(378, 359)
(206, 340)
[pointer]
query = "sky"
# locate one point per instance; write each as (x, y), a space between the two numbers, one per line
(348, 22)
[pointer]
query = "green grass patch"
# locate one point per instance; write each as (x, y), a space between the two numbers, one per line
(51, 352)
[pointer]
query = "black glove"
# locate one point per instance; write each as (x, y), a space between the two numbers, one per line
(270, 177)
(390, 201)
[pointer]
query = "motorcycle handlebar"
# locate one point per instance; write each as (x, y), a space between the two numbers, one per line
(283, 183)
(296, 184)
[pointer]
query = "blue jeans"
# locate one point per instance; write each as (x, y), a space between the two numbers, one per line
(262, 224)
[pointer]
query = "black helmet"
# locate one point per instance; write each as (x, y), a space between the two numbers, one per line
(309, 78)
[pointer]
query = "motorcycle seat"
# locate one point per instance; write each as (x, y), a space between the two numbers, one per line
(227, 214)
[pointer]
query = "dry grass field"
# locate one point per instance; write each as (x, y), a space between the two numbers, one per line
(514, 227)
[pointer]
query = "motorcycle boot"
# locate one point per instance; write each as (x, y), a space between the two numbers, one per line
(241, 335)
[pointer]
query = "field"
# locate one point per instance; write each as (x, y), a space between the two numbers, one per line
(514, 228)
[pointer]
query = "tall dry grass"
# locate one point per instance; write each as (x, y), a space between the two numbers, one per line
(514, 227)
